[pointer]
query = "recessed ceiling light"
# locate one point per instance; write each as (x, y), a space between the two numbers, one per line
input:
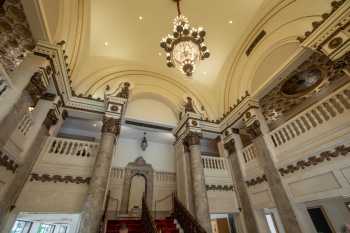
(159, 54)
(106, 43)
(205, 72)
(230, 22)
(140, 17)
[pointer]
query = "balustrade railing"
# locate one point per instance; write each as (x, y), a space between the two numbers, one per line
(215, 166)
(64, 146)
(25, 124)
(324, 111)
(187, 222)
(150, 226)
(249, 153)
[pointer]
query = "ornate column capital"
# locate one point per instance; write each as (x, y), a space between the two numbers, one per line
(111, 125)
(230, 146)
(254, 130)
(51, 118)
(192, 138)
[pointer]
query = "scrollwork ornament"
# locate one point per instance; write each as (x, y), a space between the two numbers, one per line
(111, 125)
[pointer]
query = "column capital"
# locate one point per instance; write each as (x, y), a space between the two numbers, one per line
(254, 130)
(111, 125)
(192, 138)
(230, 146)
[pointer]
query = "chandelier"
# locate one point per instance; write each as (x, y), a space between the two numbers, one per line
(185, 47)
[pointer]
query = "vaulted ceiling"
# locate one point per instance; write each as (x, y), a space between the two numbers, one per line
(109, 41)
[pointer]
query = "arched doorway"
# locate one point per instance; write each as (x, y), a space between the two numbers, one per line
(137, 190)
(137, 170)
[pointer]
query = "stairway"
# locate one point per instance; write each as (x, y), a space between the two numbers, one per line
(166, 225)
(136, 226)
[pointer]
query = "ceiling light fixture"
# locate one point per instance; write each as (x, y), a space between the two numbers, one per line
(230, 22)
(185, 47)
(140, 17)
(106, 43)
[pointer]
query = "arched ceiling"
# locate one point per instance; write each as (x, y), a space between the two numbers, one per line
(107, 43)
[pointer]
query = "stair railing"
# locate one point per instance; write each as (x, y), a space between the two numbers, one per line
(188, 223)
(147, 218)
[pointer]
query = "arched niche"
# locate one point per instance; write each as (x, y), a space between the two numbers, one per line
(137, 168)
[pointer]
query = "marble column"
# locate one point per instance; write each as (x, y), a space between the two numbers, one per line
(283, 201)
(201, 205)
(234, 148)
(92, 210)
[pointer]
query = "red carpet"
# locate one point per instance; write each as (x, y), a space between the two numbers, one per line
(136, 226)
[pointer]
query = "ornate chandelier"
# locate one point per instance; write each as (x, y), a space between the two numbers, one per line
(185, 47)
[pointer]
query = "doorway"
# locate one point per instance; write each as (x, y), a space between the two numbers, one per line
(137, 190)
(320, 220)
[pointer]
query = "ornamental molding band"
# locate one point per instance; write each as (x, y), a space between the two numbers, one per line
(256, 180)
(302, 164)
(219, 187)
(15, 36)
(315, 160)
(111, 125)
(59, 179)
(8, 163)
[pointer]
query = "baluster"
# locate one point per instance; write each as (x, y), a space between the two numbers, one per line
(58, 147)
(75, 148)
(306, 123)
(323, 112)
(280, 133)
(311, 119)
(64, 144)
(290, 131)
(347, 93)
(343, 101)
(286, 133)
(315, 114)
(52, 145)
(329, 109)
(336, 105)
(273, 140)
(278, 138)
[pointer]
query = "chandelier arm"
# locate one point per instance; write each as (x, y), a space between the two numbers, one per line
(178, 7)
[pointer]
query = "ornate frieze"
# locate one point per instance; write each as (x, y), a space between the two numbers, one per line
(219, 187)
(15, 35)
(315, 160)
(111, 125)
(59, 179)
(8, 163)
(256, 180)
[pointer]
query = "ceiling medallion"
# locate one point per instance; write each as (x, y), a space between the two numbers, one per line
(185, 47)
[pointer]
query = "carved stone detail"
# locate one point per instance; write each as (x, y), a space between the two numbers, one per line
(189, 105)
(192, 138)
(254, 130)
(59, 179)
(230, 146)
(36, 87)
(111, 125)
(8, 163)
(51, 118)
(256, 180)
(124, 93)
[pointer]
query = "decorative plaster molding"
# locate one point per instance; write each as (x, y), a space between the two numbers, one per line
(256, 180)
(59, 179)
(8, 163)
(219, 187)
(315, 160)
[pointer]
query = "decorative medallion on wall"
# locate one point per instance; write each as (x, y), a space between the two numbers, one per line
(313, 79)
(15, 36)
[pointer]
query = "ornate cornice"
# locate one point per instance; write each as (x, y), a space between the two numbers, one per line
(111, 125)
(219, 187)
(8, 163)
(256, 180)
(315, 160)
(59, 179)
(335, 5)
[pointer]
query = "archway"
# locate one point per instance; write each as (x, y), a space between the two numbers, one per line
(137, 190)
(134, 169)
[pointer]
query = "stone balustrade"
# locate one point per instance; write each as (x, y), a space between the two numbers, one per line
(323, 114)
(215, 166)
(249, 153)
(64, 146)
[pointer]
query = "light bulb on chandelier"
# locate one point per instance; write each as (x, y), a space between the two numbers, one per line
(185, 47)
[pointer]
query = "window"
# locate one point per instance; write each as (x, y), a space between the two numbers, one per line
(271, 223)
(21, 227)
(62, 228)
(46, 228)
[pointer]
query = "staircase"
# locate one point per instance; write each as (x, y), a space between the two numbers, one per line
(134, 226)
(166, 225)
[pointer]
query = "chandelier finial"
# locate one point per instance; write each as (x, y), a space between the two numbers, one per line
(185, 47)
